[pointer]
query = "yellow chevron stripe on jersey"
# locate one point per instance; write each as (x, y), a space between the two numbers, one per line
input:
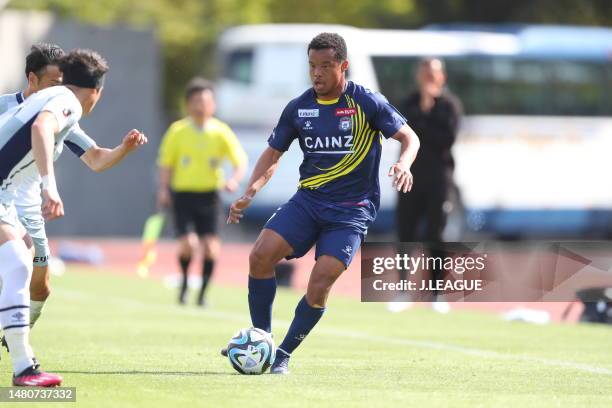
(346, 171)
(361, 145)
(363, 137)
(358, 143)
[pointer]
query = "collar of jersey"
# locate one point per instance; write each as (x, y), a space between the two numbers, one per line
(196, 127)
(332, 101)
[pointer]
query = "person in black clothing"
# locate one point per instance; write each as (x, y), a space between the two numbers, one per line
(434, 114)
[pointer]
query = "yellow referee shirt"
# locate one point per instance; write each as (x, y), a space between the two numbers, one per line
(196, 155)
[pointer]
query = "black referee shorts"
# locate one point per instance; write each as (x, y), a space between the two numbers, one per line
(196, 211)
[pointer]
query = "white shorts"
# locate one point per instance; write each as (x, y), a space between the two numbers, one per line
(8, 214)
(31, 218)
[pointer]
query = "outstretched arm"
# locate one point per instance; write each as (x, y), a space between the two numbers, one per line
(44, 129)
(99, 158)
(408, 151)
(262, 173)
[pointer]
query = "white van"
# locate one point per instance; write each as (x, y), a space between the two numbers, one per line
(536, 99)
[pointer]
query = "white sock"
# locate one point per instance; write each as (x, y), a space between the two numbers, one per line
(36, 307)
(19, 344)
(15, 272)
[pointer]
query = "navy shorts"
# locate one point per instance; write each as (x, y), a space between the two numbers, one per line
(337, 229)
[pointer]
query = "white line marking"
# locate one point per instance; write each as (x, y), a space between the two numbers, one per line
(431, 345)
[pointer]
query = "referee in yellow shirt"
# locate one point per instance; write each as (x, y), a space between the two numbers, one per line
(190, 162)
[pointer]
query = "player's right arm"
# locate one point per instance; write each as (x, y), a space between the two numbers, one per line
(44, 128)
(262, 173)
(279, 141)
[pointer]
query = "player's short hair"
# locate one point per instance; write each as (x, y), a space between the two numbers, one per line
(41, 55)
(332, 41)
(198, 84)
(83, 68)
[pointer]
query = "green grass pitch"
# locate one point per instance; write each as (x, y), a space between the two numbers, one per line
(122, 342)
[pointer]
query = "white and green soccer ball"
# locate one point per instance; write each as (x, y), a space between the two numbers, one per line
(251, 351)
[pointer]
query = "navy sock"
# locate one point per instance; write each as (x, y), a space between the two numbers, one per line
(306, 317)
(261, 297)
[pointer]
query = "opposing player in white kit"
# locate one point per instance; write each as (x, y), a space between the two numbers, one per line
(42, 71)
(32, 134)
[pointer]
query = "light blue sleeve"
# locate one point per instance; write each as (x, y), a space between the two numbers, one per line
(78, 141)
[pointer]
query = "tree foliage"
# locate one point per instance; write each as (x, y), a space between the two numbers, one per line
(188, 29)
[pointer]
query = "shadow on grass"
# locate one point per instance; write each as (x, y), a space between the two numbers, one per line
(135, 372)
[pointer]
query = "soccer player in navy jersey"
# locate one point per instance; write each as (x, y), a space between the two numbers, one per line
(340, 127)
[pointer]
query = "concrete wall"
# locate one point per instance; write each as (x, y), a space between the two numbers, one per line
(116, 202)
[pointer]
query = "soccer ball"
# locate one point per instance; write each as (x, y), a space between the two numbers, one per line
(251, 351)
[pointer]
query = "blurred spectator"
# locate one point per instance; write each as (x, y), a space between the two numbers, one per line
(190, 161)
(434, 114)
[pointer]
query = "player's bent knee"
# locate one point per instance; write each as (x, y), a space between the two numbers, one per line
(260, 263)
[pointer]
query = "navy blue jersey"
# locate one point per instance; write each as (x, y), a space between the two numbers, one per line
(341, 141)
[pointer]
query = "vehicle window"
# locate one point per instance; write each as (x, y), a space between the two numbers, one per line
(238, 66)
(511, 86)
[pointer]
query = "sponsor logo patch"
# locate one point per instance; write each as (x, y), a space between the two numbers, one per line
(308, 113)
(18, 317)
(346, 111)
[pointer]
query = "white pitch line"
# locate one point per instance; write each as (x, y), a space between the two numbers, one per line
(431, 345)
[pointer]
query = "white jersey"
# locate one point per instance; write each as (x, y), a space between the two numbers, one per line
(27, 194)
(17, 167)
(9, 101)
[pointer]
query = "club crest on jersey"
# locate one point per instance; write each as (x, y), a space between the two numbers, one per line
(308, 113)
(345, 123)
(67, 112)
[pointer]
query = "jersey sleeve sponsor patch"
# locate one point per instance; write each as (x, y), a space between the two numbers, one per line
(65, 108)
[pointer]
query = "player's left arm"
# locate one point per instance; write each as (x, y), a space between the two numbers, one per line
(400, 171)
(392, 124)
(100, 159)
